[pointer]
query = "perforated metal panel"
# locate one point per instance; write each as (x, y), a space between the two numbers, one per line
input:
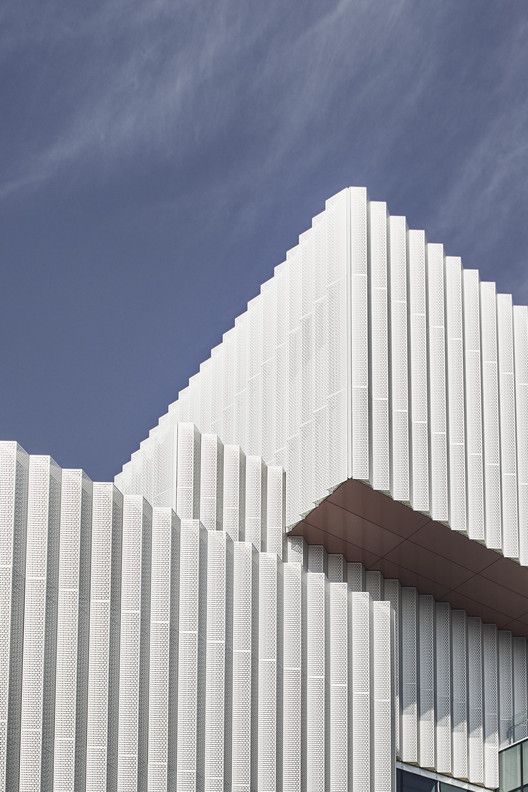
(338, 731)
(520, 698)
(211, 482)
(400, 463)
(520, 320)
(437, 380)
(191, 657)
(510, 525)
(134, 652)
(245, 667)
(505, 686)
(105, 621)
(459, 693)
(475, 702)
(419, 413)
(443, 681)
(316, 683)
(163, 670)
(473, 390)
(378, 291)
(359, 321)
(269, 716)
(14, 465)
(491, 705)
(361, 769)
(40, 625)
(456, 396)
(219, 660)
(292, 693)
(426, 703)
(384, 770)
(72, 632)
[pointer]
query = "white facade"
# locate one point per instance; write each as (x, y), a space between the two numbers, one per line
(371, 355)
(165, 634)
(201, 662)
(205, 662)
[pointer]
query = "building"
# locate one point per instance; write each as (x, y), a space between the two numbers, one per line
(312, 574)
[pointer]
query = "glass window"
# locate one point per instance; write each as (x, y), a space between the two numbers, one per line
(510, 769)
(412, 782)
(448, 787)
(524, 749)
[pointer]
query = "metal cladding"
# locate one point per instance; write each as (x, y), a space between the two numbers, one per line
(372, 355)
(157, 654)
(166, 633)
(164, 655)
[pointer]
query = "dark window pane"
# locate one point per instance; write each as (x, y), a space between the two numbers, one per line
(412, 782)
(449, 787)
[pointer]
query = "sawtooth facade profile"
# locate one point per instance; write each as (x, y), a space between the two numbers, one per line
(312, 575)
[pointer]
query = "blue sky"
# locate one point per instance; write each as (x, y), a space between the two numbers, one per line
(158, 158)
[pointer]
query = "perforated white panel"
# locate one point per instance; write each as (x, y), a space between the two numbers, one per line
(105, 622)
(72, 631)
(163, 659)
(40, 625)
(14, 465)
(134, 652)
(418, 366)
(371, 355)
(368, 354)
(437, 381)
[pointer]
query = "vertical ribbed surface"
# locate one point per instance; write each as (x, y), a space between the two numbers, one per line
(245, 666)
(104, 644)
(163, 660)
(426, 704)
(140, 649)
(338, 731)
(379, 317)
(418, 371)
(316, 681)
(292, 692)
(372, 355)
(269, 719)
(437, 381)
(399, 347)
(14, 468)
(191, 657)
(134, 658)
(37, 720)
(459, 693)
(443, 683)
(476, 701)
(219, 656)
(170, 657)
(472, 365)
(72, 632)
(409, 676)
(382, 692)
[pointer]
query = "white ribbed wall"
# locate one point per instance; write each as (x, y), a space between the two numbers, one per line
(204, 663)
(372, 355)
(156, 654)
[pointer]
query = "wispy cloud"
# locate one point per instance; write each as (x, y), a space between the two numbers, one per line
(149, 74)
(480, 190)
(177, 81)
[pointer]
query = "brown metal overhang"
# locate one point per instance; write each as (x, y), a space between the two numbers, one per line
(368, 526)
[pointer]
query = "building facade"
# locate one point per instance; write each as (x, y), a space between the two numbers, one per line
(312, 574)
